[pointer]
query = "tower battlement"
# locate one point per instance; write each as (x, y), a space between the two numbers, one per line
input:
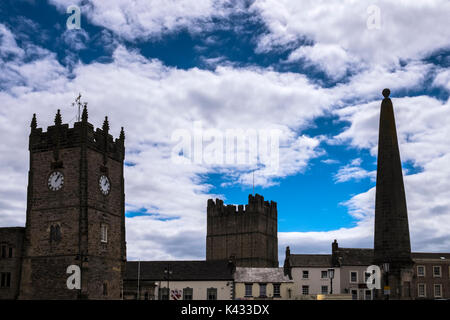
(246, 232)
(256, 204)
(61, 136)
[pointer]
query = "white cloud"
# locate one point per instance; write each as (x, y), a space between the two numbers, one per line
(143, 19)
(340, 28)
(353, 171)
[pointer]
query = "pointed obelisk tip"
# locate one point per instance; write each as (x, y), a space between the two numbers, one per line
(386, 92)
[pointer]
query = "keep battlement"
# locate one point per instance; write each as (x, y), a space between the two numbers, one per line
(256, 204)
(62, 136)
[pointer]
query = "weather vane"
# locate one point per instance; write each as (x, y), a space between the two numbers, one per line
(79, 104)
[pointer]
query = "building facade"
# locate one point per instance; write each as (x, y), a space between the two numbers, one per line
(248, 234)
(11, 244)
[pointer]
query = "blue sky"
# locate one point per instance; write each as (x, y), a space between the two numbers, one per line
(313, 70)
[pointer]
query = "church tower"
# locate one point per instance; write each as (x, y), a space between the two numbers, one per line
(392, 242)
(249, 235)
(75, 212)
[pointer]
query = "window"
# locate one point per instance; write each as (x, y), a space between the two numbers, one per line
(105, 289)
(368, 295)
(438, 290)
(164, 293)
(421, 290)
(3, 251)
(10, 252)
(324, 274)
(354, 294)
(324, 290)
(55, 233)
(262, 290)
(248, 289)
(5, 281)
(421, 271)
(146, 296)
(305, 274)
(366, 276)
(276, 290)
(353, 276)
(104, 233)
(436, 271)
(305, 289)
(211, 293)
(188, 293)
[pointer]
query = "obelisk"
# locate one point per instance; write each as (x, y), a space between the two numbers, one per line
(392, 243)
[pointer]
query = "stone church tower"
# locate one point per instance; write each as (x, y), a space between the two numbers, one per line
(249, 235)
(75, 212)
(392, 242)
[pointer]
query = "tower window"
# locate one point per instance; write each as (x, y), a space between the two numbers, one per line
(105, 289)
(55, 233)
(104, 233)
(5, 281)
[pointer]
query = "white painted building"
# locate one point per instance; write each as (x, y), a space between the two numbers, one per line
(311, 275)
(179, 280)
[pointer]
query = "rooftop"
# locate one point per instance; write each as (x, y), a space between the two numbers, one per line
(181, 270)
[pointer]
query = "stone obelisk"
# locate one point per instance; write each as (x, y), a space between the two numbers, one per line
(392, 243)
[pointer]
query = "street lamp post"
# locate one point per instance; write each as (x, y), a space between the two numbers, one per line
(168, 272)
(331, 276)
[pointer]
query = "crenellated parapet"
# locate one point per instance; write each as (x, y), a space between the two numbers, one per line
(256, 204)
(61, 136)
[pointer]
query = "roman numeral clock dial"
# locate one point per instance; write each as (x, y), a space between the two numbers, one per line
(55, 181)
(105, 185)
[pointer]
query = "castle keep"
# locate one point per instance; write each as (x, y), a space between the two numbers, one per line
(248, 234)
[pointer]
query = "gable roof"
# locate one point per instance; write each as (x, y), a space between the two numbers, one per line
(181, 270)
(260, 275)
(310, 260)
(354, 256)
(431, 255)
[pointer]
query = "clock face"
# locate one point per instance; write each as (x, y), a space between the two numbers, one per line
(55, 181)
(105, 185)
